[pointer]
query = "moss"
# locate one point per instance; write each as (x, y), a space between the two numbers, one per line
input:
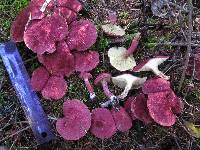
(124, 14)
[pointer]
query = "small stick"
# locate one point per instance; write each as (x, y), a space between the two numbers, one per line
(189, 46)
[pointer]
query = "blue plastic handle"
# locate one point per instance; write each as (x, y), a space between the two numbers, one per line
(28, 98)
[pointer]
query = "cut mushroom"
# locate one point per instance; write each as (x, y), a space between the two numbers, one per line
(103, 80)
(113, 30)
(118, 59)
(86, 76)
(152, 65)
(127, 82)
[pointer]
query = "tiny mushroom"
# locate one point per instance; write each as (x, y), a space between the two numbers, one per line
(86, 61)
(61, 62)
(113, 30)
(152, 65)
(86, 76)
(82, 35)
(39, 78)
(127, 82)
(139, 108)
(76, 121)
(118, 59)
(55, 88)
(155, 85)
(122, 120)
(103, 79)
(103, 125)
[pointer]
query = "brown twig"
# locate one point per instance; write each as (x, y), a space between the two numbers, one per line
(189, 46)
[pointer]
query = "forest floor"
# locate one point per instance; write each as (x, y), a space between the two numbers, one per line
(158, 36)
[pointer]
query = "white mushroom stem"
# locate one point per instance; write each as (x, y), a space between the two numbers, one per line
(126, 90)
(134, 45)
(89, 88)
(160, 74)
(106, 90)
(44, 6)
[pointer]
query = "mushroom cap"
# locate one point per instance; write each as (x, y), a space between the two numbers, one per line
(127, 107)
(147, 65)
(118, 59)
(103, 125)
(124, 79)
(55, 88)
(102, 77)
(68, 14)
(61, 62)
(41, 36)
(74, 5)
(160, 108)
(82, 35)
(85, 75)
(18, 25)
(39, 78)
(76, 122)
(155, 85)
(113, 30)
(122, 120)
(139, 108)
(86, 61)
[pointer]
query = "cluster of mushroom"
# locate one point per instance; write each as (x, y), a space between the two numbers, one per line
(101, 122)
(157, 103)
(51, 29)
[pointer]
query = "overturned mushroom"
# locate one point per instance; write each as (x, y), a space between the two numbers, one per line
(86, 61)
(76, 121)
(103, 79)
(82, 35)
(127, 82)
(139, 108)
(39, 78)
(122, 120)
(103, 125)
(113, 30)
(55, 88)
(118, 59)
(86, 76)
(152, 65)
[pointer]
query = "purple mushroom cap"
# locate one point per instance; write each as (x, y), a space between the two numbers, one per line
(18, 26)
(41, 36)
(55, 88)
(74, 5)
(160, 108)
(122, 120)
(155, 85)
(127, 107)
(140, 110)
(39, 78)
(76, 121)
(82, 35)
(86, 61)
(61, 62)
(103, 125)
